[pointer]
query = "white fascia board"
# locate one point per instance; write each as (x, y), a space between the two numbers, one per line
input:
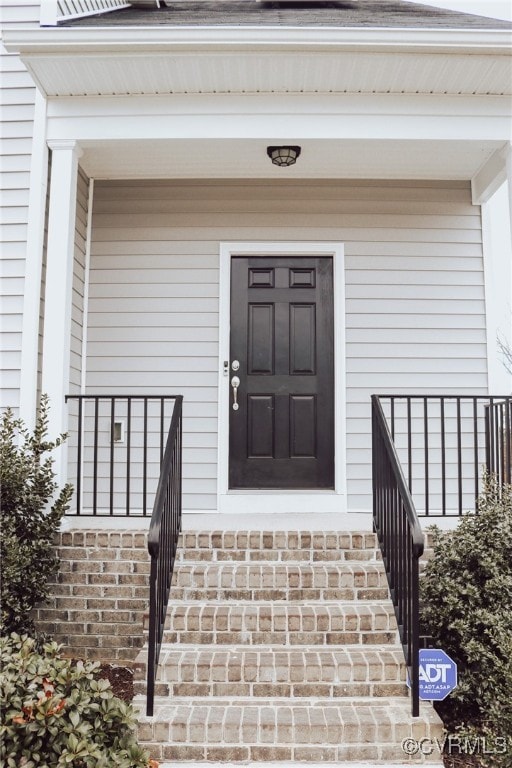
(92, 40)
(328, 104)
(254, 116)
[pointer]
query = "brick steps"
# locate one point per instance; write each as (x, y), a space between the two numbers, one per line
(285, 729)
(281, 647)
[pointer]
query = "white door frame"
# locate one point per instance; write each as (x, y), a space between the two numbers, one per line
(249, 502)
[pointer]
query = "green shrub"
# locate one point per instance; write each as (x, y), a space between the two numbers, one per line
(57, 714)
(467, 609)
(30, 518)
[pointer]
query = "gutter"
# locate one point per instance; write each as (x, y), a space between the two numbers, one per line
(93, 40)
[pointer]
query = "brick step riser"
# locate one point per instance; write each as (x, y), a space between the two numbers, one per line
(256, 639)
(291, 541)
(277, 555)
(294, 754)
(272, 577)
(251, 595)
(277, 690)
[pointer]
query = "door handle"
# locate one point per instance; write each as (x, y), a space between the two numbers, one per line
(235, 383)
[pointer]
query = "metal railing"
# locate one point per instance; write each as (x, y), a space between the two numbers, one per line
(443, 443)
(116, 451)
(400, 539)
(498, 430)
(164, 531)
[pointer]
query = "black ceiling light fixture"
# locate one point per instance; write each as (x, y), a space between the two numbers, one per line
(284, 156)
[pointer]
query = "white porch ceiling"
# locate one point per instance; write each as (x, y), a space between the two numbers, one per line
(239, 158)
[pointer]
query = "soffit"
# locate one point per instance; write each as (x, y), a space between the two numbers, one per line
(305, 71)
(247, 158)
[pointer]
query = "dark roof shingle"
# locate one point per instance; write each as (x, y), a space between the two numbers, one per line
(336, 13)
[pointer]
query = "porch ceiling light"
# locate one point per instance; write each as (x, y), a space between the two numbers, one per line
(283, 156)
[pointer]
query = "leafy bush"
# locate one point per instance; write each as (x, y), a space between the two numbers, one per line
(56, 714)
(467, 609)
(29, 523)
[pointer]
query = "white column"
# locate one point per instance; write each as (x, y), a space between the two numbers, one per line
(509, 182)
(497, 251)
(59, 288)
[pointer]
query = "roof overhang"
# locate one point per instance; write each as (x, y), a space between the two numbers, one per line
(363, 103)
(91, 61)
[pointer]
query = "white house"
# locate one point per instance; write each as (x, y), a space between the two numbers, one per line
(157, 122)
(153, 249)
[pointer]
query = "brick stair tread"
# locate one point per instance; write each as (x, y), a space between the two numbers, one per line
(346, 654)
(289, 568)
(276, 721)
(282, 623)
(301, 615)
(281, 581)
(238, 671)
(291, 541)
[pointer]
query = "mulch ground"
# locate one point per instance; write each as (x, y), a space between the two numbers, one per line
(120, 678)
(460, 761)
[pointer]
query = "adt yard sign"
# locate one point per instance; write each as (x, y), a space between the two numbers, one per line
(438, 674)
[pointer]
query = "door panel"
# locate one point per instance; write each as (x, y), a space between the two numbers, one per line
(282, 435)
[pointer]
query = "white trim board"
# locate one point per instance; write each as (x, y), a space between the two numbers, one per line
(305, 502)
(210, 521)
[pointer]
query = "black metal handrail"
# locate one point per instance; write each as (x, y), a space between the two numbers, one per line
(116, 451)
(163, 536)
(444, 441)
(401, 541)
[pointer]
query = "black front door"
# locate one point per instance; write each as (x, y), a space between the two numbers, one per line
(282, 352)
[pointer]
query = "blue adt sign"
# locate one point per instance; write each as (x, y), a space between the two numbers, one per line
(438, 675)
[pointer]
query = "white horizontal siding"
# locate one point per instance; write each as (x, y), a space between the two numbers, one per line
(415, 314)
(21, 13)
(17, 96)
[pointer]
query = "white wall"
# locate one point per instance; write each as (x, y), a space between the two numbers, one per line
(414, 295)
(17, 96)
